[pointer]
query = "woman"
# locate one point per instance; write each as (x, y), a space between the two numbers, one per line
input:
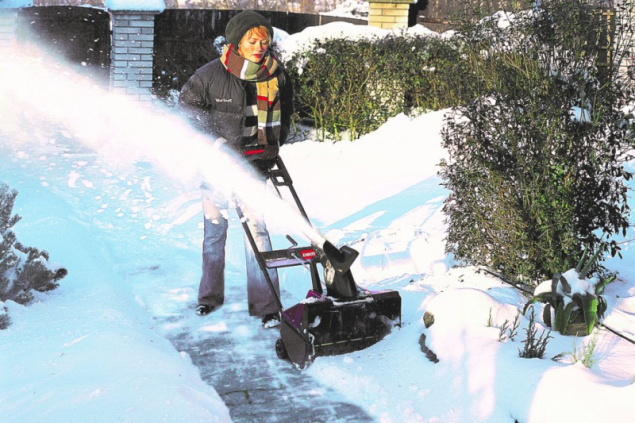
(245, 98)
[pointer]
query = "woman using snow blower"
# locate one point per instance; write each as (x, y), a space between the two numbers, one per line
(245, 99)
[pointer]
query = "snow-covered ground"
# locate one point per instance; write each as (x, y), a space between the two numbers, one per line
(113, 196)
(357, 9)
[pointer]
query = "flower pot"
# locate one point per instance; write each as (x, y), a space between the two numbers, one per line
(577, 327)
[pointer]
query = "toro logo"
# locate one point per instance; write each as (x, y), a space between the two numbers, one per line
(308, 254)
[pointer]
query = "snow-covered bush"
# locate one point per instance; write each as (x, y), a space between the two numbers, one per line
(5, 321)
(536, 162)
(22, 269)
(354, 86)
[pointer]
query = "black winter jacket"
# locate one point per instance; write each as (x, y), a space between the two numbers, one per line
(215, 101)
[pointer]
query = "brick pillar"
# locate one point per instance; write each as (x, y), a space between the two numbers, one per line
(8, 30)
(389, 14)
(131, 54)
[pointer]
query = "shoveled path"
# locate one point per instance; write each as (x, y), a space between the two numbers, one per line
(236, 355)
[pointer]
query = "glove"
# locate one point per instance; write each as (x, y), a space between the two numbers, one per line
(271, 152)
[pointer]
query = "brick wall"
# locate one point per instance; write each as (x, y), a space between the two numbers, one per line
(389, 13)
(131, 57)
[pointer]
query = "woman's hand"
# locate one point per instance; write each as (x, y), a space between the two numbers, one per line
(271, 152)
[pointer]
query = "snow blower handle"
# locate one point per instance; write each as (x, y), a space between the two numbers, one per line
(267, 153)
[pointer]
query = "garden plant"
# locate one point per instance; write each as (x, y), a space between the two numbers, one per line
(536, 160)
(577, 304)
(348, 88)
(22, 269)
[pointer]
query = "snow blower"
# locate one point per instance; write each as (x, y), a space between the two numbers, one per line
(347, 317)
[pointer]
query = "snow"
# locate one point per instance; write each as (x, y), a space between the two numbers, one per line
(336, 30)
(578, 286)
(580, 115)
(357, 9)
(136, 5)
(122, 214)
(14, 4)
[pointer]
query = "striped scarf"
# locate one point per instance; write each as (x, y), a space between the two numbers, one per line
(268, 100)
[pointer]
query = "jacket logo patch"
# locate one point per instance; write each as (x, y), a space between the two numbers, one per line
(223, 100)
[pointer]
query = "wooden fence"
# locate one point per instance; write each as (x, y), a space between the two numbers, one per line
(295, 6)
(439, 14)
(184, 38)
(80, 35)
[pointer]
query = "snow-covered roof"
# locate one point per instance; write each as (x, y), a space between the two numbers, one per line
(14, 4)
(136, 5)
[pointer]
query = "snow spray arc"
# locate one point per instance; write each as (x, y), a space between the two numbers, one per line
(38, 92)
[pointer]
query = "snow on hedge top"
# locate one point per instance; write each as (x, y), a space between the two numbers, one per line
(137, 5)
(14, 4)
(304, 40)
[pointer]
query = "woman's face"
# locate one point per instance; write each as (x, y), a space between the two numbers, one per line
(253, 46)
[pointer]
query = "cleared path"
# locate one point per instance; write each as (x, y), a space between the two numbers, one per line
(236, 355)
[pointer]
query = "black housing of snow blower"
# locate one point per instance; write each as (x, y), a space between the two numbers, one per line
(344, 319)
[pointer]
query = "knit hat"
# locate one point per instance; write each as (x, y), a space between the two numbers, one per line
(238, 26)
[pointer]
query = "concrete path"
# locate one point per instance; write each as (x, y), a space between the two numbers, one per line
(236, 355)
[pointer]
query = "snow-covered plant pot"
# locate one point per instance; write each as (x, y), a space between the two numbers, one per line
(575, 300)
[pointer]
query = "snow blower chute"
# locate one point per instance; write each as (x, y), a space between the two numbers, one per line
(344, 319)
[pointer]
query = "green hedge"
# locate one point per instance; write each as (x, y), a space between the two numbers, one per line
(353, 86)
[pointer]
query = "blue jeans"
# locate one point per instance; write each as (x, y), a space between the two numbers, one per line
(212, 287)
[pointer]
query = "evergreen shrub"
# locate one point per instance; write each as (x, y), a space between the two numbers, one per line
(354, 86)
(536, 161)
(5, 320)
(22, 269)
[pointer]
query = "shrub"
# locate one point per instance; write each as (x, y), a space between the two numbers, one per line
(332, 86)
(22, 269)
(354, 86)
(505, 328)
(502, 330)
(5, 320)
(586, 353)
(536, 161)
(535, 347)
(427, 69)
